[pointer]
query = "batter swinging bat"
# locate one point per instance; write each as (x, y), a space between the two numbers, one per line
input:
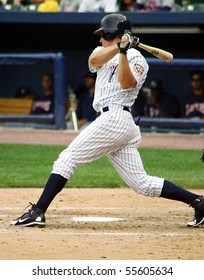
(159, 53)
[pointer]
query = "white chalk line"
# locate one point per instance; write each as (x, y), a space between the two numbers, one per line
(67, 218)
(68, 208)
(72, 219)
(122, 234)
(95, 233)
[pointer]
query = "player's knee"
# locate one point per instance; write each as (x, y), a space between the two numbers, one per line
(65, 166)
(148, 186)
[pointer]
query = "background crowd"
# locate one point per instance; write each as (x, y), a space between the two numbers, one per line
(107, 6)
(153, 101)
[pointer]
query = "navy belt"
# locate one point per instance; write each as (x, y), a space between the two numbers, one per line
(106, 109)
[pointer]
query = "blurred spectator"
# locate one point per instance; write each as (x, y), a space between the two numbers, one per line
(85, 112)
(194, 103)
(49, 6)
(69, 5)
(159, 103)
(17, 3)
(127, 5)
(107, 6)
(44, 104)
(154, 5)
(138, 106)
(2, 2)
(24, 2)
(1, 6)
(29, 2)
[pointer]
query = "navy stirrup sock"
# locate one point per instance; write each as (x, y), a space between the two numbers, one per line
(174, 192)
(53, 186)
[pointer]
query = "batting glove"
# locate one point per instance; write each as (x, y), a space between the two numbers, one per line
(135, 42)
(130, 42)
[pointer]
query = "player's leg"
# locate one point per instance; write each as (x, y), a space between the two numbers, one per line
(85, 148)
(98, 139)
(128, 163)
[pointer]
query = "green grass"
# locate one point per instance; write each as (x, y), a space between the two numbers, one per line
(30, 166)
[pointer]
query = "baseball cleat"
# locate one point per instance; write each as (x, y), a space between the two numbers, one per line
(34, 217)
(198, 205)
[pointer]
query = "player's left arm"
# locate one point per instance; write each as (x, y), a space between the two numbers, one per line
(125, 75)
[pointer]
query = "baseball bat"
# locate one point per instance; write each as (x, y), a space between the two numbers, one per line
(159, 53)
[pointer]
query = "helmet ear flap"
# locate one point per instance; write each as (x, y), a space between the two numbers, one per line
(121, 25)
(124, 25)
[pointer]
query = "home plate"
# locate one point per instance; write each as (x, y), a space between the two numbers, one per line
(96, 219)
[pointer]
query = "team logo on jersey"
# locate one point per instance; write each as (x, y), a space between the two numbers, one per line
(112, 68)
(138, 69)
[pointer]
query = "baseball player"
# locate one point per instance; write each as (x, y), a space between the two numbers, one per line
(121, 72)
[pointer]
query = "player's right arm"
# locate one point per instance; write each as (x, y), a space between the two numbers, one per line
(103, 55)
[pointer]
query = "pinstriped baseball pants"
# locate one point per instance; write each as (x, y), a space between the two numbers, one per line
(114, 135)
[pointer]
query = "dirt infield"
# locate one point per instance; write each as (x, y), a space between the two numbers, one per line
(149, 229)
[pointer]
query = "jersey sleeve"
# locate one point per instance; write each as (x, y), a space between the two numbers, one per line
(138, 66)
(91, 68)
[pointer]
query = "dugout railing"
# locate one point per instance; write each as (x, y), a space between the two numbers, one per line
(55, 120)
(170, 125)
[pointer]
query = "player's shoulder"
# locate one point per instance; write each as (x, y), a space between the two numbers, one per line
(134, 52)
(135, 55)
(98, 48)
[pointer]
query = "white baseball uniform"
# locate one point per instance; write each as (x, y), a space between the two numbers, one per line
(113, 134)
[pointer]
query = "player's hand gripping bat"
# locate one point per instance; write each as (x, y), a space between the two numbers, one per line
(159, 53)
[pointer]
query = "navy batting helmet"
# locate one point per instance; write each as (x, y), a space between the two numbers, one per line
(113, 25)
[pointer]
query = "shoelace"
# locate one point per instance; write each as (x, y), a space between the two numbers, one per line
(30, 204)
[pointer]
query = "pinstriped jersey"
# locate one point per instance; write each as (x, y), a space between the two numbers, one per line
(107, 88)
